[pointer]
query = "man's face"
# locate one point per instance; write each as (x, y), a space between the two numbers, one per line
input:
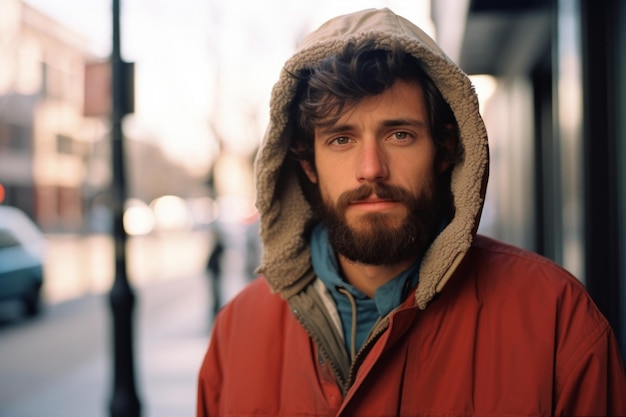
(376, 170)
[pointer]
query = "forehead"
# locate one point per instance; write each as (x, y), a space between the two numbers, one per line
(403, 99)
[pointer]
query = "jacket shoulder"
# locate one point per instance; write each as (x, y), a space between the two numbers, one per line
(508, 262)
(255, 300)
(512, 282)
(489, 244)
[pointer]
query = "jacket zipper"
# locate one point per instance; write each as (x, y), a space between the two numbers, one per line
(322, 349)
(379, 328)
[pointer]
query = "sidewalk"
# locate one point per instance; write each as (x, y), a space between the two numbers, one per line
(171, 346)
(172, 322)
(172, 332)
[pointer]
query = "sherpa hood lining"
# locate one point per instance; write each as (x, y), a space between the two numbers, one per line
(285, 214)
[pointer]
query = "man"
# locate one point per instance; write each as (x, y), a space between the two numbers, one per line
(378, 297)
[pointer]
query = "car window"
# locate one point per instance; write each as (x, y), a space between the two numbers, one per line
(7, 239)
(22, 227)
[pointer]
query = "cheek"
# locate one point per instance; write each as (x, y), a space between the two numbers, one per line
(332, 180)
(326, 193)
(418, 174)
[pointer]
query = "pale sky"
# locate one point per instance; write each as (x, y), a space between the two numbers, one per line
(207, 61)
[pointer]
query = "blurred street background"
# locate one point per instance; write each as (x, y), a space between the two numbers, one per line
(59, 364)
(195, 106)
(550, 79)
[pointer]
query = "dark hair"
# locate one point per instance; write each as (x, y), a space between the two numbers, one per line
(360, 70)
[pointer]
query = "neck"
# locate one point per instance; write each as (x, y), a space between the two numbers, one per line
(368, 278)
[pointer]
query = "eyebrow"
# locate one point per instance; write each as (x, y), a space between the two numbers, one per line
(404, 122)
(327, 129)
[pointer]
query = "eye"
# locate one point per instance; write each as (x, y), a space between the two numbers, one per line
(342, 140)
(401, 136)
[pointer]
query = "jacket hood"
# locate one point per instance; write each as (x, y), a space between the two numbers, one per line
(284, 211)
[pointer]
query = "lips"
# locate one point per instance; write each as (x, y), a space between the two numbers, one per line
(372, 200)
(374, 204)
(374, 196)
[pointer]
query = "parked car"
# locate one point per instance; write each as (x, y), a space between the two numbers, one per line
(22, 246)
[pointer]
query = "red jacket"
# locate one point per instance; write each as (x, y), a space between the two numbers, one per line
(512, 334)
(489, 330)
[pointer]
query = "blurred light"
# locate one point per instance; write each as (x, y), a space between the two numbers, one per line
(235, 209)
(450, 17)
(204, 210)
(138, 218)
(171, 213)
(485, 86)
(3, 193)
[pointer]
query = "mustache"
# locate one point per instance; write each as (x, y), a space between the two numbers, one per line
(383, 191)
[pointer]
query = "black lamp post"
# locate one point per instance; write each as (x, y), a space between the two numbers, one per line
(124, 400)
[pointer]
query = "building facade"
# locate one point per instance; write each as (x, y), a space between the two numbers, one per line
(53, 159)
(557, 131)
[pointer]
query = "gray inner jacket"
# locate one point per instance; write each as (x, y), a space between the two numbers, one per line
(285, 213)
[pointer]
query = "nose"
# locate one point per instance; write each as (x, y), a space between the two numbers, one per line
(372, 163)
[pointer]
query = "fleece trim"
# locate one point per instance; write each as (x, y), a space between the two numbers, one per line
(284, 212)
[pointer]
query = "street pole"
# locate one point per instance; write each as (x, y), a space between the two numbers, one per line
(124, 400)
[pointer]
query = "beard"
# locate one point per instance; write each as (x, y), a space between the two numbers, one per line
(380, 240)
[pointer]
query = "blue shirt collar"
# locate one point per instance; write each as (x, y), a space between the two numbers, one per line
(387, 297)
